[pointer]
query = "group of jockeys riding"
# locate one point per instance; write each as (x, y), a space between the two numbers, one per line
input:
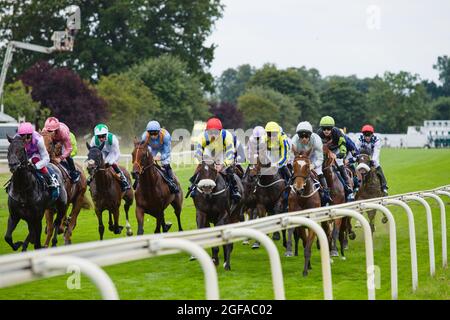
(269, 142)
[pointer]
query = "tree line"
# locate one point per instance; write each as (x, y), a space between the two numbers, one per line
(134, 61)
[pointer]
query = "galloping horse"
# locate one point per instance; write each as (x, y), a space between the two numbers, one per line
(268, 190)
(152, 194)
(213, 204)
(338, 196)
(28, 197)
(303, 195)
(106, 192)
(75, 192)
(370, 184)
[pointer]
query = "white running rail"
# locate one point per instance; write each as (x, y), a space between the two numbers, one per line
(28, 266)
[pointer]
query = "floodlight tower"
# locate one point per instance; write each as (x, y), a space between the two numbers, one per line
(62, 41)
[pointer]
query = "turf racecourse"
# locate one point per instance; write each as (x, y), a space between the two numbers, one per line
(174, 277)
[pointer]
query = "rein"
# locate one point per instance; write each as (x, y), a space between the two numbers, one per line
(141, 169)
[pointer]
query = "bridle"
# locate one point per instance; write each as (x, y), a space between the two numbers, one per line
(215, 179)
(141, 169)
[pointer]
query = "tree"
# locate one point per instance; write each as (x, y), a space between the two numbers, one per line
(291, 83)
(260, 105)
(232, 82)
(179, 93)
(68, 97)
(443, 67)
(115, 35)
(397, 101)
(130, 104)
(228, 114)
(441, 108)
(345, 104)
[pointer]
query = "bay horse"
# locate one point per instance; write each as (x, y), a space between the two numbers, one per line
(106, 192)
(268, 190)
(29, 197)
(338, 196)
(152, 194)
(303, 195)
(213, 204)
(75, 192)
(370, 184)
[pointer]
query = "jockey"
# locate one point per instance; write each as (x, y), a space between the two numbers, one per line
(370, 142)
(305, 140)
(60, 133)
(110, 151)
(218, 143)
(278, 148)
(160, 141)
(256, 146)
(37, 154)
(336, 143)
(352, 153)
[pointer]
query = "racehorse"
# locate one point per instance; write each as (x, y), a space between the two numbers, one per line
(303, 195)
(370, 184)
(152, 194)
(213, 203)
(75, 192)
(29, 197)
(106, 192)
(269, 189)
(338, 196)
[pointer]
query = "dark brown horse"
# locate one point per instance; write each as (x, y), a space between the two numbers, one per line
(213, 204)
(106, 192)
(303, 195)
(268, 191)
(75, 193)
(152, 194)
(370, 184)
(338, 196)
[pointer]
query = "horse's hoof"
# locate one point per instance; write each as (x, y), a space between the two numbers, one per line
(288, 254)
(226, 266)
(343, 258)
(111, 227)
(17, 245)
(357, 224)
(384, 220)
(129, 232)
(215, 261)
(352, 235)
(334, 253)
(276, 236)
(256, 245)
(192, 258)
(305, 273)
(118, 230)
(245, 242)
(346, 247)
(60, 230)
(167, 227)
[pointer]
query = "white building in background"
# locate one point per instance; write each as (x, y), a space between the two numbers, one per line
(433, 133)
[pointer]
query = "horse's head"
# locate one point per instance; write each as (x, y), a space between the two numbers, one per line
(94, 158)
(17, 155)
(207, 175)
(329, 156)
(53, 149)
(302, 170)
(141, 156)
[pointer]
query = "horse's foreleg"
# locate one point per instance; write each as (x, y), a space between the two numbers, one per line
(288, 242)
(297, 235)
(101, 227)
(12, 224)
(176, 204)
(110, 221)
(215, 255)
(38, 231)
(49, 227)
(334, 236)
(76, 208)
(371, 215)
(342, 238)
(227, 256)
(307, 252)
(140, 220)
(60, 214)
(165, 226)
(117, 229)
(126, 207)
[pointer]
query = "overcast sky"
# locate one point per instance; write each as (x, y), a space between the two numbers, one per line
(344, 37)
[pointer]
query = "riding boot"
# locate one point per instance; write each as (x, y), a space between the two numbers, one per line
(52, 184)
(192, 190)
(124, 185)
(348, 190)
(384, 187)
(172, 184)
(235, 194)
(286, 175)
(326, 192)
(73, 172)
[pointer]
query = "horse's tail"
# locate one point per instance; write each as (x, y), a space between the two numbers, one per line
(85, 203)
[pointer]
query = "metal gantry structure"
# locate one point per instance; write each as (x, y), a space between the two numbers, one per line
(62, 41)
(91, 256)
